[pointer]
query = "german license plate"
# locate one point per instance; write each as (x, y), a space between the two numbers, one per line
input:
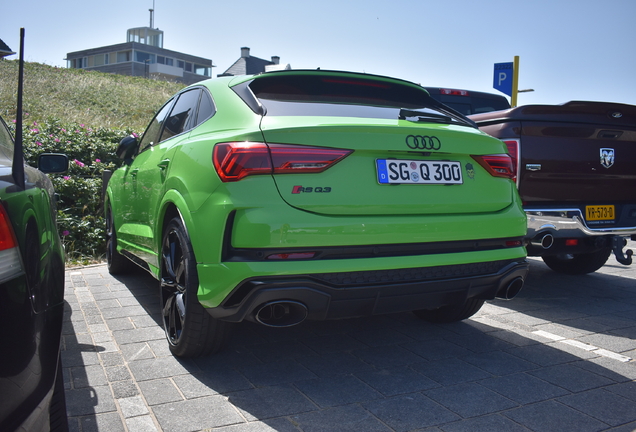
(400, 171)
(600, 212)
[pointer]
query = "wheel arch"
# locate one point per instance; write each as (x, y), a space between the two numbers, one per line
(173, 205)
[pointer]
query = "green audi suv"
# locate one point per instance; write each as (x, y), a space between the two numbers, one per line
(315, 195)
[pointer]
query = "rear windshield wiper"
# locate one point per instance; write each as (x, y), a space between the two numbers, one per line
(451, 116)
(424, 116)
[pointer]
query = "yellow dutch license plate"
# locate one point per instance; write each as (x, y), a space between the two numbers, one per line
(600, 212)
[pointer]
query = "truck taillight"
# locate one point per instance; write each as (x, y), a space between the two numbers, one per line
(498, 165)
(454, 92)
(513, 149)
(236, 160)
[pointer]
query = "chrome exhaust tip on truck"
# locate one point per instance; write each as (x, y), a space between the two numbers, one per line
(543, 240)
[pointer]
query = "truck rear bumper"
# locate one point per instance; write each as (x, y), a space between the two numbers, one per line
(567, 223)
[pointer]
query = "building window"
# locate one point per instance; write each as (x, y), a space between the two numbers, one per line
(201, 70)
(181, 64)
(165, 60)
(78, 63)
(143, 57)
(188, 67)
(123, 56)
(100, 59)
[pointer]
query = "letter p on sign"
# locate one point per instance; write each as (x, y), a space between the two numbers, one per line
(503, 77)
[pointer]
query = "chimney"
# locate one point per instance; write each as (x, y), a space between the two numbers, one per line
(275, 60)
(245, 52)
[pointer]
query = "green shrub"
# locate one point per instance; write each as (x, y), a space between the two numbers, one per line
(80, 205)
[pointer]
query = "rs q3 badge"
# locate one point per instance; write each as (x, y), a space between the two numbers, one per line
(607, 157)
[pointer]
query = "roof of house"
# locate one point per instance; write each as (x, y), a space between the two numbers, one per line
(4, 49)
(248, 65)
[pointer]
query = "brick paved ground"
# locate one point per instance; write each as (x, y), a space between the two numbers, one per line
(559, 357)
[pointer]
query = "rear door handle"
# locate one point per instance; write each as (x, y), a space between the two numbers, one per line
(163, 164)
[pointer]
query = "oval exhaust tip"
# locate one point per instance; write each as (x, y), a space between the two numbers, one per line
(511, 290)
(281, 313)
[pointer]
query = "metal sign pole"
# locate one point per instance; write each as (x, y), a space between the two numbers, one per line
(515, 82)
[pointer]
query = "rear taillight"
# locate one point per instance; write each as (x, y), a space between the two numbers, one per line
(236, 160)
(7, 237)
(513, 148)
(498, 165)
(10, 263)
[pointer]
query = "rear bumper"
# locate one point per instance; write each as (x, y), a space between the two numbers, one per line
(355, 294)
(568, 223)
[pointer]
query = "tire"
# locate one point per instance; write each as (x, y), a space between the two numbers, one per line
(58, 420)
(578, 264)
(117, 263)
(448, 314)
(190, 330)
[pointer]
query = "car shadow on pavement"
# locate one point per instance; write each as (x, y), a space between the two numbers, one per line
(525, 364)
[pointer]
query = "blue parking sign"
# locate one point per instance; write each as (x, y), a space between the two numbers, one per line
(503, 76)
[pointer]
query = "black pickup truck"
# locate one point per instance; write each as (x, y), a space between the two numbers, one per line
(576, 174)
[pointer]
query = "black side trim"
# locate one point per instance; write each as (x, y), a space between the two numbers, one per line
(135, 259)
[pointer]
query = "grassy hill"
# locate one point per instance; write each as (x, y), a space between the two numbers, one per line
(83, 115)
(78, 96)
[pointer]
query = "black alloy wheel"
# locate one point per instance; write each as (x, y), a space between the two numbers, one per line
(117, 263)
(190, 330)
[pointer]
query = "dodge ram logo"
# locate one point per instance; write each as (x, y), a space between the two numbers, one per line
(607, 157)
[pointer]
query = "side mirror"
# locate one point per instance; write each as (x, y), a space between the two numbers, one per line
(52, 163)
(127, 148)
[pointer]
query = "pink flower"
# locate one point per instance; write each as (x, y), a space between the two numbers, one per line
(82, 125)
(65, 233)
(135, 135)
(57, 140)
(97, 160)
(35, 123)
(35, 131)
(67, 177)
(38, 143)
(78, 163)
(13, 121)
(63, 130)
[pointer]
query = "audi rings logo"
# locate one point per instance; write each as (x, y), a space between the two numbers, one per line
(423, 142)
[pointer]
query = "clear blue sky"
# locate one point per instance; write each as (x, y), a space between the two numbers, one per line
(568, 49)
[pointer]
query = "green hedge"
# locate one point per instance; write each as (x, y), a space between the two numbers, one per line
(80, 206)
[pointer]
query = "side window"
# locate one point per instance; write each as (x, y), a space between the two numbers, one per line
(180, 118)
(151, 136)
(206, 108)
(6, 142)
